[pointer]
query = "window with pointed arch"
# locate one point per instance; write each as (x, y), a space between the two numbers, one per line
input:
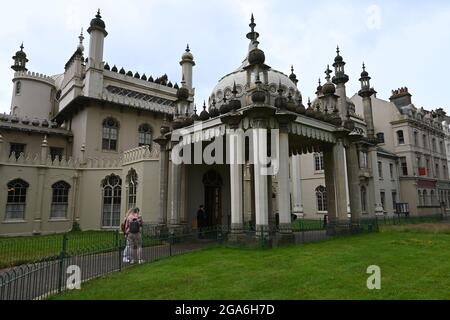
(112, 195)
(18, 88)
(132, 181)
(318, 161)
(110, 134)
(145, 135)
(60, 200)
(321, 199)
(16, 200)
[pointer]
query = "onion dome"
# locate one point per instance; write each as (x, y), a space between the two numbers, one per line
(364, 73)
(170, 85)
(204, 115)
(114, 69)
(280, 101)
(309, 111)
(183, 93)
(150, 79)
(338, 58)
(318, 114)
(293, 76)
(291, 106)
(122, 71)
(225, 107)
(130, 73)
(144, 77)
(137, 75)
(195, 116)
(213, 111)
(328, 88)
(176, 86)
(97, 22)
(300, 107)
(187, 55)
(107, 67)
(234, 104)
(20, 60)
(256, 56)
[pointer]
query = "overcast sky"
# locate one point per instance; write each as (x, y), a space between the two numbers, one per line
(403, 43)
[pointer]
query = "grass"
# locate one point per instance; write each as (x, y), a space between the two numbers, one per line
(20, 250)
(414, 262)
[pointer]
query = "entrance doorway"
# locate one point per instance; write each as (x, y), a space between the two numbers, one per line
(213, 183)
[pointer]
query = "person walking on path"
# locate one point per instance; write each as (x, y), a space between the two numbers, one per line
(133, 228)
(127, 250)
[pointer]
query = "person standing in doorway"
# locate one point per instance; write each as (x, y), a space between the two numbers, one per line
(201, 221)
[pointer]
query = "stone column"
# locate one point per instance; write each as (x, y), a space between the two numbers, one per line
(236, 184)
(374, 183)
(353, 180)
(283, 183)
(175, 190)
(261, 183)
(296, 185)
(163, 182)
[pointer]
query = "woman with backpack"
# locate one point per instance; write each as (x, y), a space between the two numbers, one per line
(133, 229)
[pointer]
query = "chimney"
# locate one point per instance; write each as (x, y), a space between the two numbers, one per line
(401, 97)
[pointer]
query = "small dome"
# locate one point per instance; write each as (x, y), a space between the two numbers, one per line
(328, 88)
(97, 22)
(204, 115)
(183, 93)
(338, 59)
(256, 56)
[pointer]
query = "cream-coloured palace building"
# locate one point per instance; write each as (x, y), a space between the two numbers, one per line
(87, 144)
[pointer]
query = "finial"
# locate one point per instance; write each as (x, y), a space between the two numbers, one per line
(292, 68)
(98, 14)
(280, 90)
(81, 37)
(364, 66)
(204, 105)
(309, 102)
(234, 92)
(21, 47)
(337, 50)
(195, 108)
(252, 35)
(187, 48)
(328, 72)
(320, 82)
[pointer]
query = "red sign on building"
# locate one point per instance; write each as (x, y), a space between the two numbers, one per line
(422, 171)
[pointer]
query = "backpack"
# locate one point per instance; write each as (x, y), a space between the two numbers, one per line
(135, 226)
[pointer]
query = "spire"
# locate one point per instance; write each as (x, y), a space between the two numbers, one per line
(366, 90)
(81, 38)
(293, 76)
(252, 35)
(328, 72)
(187, 48)
(20, 60)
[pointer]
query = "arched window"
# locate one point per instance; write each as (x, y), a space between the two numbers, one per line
(364, 199)
(110, 134)
(16, 200)
(145, 135)
(321, 198)
(132, 180)
(60, 199)
(112, 194)
(18, 87)
(400, 137)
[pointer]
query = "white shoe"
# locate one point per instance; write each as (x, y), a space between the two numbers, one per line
(141, 261)
(125, 260)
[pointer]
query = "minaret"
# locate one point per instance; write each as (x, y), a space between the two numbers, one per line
(366, 92)
(98, 33)
(340, 79)
(94, 69)
(20, 60)
(187, 63)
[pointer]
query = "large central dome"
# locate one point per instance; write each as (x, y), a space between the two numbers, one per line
(240, 76)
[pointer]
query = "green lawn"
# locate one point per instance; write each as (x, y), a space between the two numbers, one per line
(19, 250)
(414, 262)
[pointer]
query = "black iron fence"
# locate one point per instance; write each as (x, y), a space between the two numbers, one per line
(36, 267)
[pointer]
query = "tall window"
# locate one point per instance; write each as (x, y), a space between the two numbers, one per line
(436, 173)
(18, 88)
(132, 188)
(321, 197)
(380, 137)
(383, 199)
(427, 162)
(318, 161)
(419, 194)
(394, 200)
(400, 137)
(404, 166)
(17, 149)
(391, 170)
(425, 198)
(16, 200)
(432, 200)
(110, 134)
(60, 200)
(441, 147)
(363, 199)
(112, 193)
(145, 135)
(380, 170)
(433, 144)
(363, 159)
(416, 138)
(424, 139)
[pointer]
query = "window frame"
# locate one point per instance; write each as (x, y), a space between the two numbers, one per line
(60, 200)
(110, 134)
(16, 202)
(321, 199)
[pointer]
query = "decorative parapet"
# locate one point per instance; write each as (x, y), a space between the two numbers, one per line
(34, 76)
(141, 153)
(35, 160)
